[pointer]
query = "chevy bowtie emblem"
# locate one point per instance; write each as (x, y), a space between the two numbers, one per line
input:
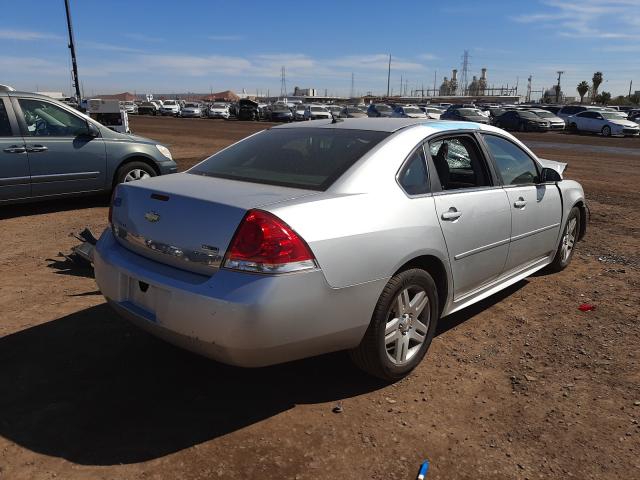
(152, 217)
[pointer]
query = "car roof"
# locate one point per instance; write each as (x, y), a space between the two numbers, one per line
(383, 124)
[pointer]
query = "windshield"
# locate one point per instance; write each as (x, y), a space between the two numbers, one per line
(524, 114)
(544, 114)
(169, 102)
(218, 105)
(318, 109)
(311, 158)
(279, 108)
(412, 110)
(611, 115)
(468, 112)
(191, 105)
(383, 108)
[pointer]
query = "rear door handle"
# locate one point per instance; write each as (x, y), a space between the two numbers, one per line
(36, 148)
(520, 203)
(15, 149)
(452, 214)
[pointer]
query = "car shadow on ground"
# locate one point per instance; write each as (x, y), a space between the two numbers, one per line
(93, 389)
(51, 206)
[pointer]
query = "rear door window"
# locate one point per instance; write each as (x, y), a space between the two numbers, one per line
(459, 163)
(311, 158)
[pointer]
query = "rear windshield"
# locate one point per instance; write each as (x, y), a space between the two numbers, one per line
(309, 158)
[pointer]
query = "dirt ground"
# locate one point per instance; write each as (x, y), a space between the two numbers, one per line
(523, 385)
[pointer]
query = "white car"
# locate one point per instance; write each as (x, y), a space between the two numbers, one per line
(606, 123)
(191, 110)
(170, 107)
(316, 112)
(219, 110)
(432, 112)
(408, 111)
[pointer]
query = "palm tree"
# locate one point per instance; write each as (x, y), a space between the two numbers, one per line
(583, 88)
(597, 80)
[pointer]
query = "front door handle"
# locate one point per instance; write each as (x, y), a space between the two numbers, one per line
(15, 149)
(452, 214)
(520, 203)
(36, 148)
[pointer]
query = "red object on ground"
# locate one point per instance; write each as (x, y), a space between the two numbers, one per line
(586, 307)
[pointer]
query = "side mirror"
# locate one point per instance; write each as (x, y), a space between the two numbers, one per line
(549, 175)
(92, 130)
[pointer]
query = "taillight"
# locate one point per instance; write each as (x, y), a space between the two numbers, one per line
(263, 243)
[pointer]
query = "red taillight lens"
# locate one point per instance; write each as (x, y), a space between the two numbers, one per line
(264, 243)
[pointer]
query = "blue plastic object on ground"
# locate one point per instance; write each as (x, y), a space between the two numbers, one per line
(423, 470)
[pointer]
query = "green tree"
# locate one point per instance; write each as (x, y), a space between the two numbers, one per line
(583, 88)
(596, 81)
(603, 98)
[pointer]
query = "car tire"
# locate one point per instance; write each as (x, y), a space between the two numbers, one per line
(573, 128)
(568, 241)
(606, 131)
(394, 343)
(522, 127)
(134, 170)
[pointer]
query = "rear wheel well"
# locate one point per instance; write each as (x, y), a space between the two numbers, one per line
(436, 269)
(146, 160)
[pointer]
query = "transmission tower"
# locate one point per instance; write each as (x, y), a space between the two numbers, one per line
(465, 72)
(283, 83)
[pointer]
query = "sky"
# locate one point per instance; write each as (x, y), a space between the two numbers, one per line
(160, 46)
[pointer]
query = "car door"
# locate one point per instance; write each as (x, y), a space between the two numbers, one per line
(536, 208)
(473, 211)
(15, 182)
(63, 157)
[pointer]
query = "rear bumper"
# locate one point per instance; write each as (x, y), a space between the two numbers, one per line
(237, 318)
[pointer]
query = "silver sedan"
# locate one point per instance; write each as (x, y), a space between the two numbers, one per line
(335, 235)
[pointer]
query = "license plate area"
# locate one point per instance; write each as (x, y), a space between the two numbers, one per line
(143, 299)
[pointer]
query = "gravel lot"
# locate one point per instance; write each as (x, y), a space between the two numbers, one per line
(523, 385)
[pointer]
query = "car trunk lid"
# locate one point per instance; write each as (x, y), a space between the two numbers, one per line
(187, 220)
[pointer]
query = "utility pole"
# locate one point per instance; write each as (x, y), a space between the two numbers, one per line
(72, 47)
(559, 72)
(401, 84)
(283, 83)
(528, 97)
(435, 73)
(630, 83)
(389, 76)
(352, 93)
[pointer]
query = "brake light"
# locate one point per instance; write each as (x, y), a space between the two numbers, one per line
(263, 243)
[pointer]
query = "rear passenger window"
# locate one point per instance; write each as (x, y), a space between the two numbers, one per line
(413, 177)
(5, 126)
(458, 163)
(514, 165)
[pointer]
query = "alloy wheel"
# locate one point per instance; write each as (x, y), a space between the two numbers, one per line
(407, 324)
(569, 238)
(136, 174)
